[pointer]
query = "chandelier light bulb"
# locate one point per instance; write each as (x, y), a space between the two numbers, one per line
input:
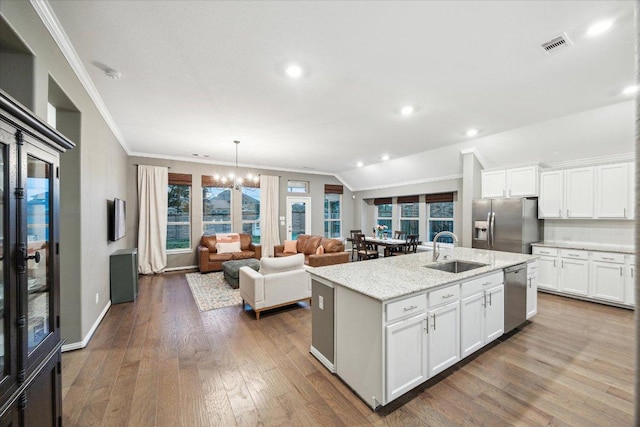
(224, 179)
(216, 177)
(256, 178)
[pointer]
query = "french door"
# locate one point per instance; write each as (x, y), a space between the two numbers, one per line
(298, 216)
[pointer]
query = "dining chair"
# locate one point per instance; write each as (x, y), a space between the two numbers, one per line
(366, 250)
(354, 250)
(399, 234)
(411, 246)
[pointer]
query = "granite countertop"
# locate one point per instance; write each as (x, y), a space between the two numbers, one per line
(628, 250)
(387, 278)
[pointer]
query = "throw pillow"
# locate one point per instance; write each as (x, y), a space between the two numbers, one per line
(227, 248)
(290, 246)
(320, 250)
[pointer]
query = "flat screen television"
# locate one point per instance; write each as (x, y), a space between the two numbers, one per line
(117, 219)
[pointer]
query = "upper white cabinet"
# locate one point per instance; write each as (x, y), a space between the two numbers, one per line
(551, 201)
(612, 191)
(579, 193)
(603, 192)
(516, 182)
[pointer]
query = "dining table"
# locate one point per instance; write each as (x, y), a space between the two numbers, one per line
(387, 243)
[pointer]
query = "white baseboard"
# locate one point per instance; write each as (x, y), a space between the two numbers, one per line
(322, 359)
(186, 267)
(85, 341)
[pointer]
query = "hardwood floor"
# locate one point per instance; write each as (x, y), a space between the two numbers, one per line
(160, 362)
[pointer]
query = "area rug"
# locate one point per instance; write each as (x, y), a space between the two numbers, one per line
(211, 291)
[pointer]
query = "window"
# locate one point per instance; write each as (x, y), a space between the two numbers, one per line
(384, 212)
(440, 215)
(251, 212)
(298, 186)
(409, 214)
(333, 210)
(179, 212)
(216, 207)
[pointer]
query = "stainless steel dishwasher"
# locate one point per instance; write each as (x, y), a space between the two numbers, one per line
(515, 296)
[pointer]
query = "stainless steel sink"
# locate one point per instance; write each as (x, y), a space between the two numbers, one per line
(456, 266)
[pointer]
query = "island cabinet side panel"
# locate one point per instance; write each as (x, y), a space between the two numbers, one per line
(359, 344)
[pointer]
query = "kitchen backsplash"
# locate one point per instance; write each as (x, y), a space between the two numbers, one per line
(605, 232)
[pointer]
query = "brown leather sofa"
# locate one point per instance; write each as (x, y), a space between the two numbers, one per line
(210, 260)
(308, 244)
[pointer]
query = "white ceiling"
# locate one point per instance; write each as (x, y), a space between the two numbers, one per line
(198, 74)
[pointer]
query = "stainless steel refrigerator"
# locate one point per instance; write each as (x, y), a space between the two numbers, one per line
(509, 225)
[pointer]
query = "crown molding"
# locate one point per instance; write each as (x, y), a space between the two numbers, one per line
(231, 164)
(401, 184)
(593, 161)
(50, 21)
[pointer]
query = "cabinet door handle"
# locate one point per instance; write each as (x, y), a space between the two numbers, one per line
(484, 299)
(574, 255)
(567, 213)
(620, 271)
(509, 192)
(606, 257)
(447, 296)
(490, 299)
(562, 264)
(486, 283)
(625, 212)
(434, 321)
(426, 325)
(411, 307)
(544, 252)
(632, 272)
(529, 281)
(559, 213)
(554, 263)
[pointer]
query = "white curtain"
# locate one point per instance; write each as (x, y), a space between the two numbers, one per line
(269, 204)
(152, 221)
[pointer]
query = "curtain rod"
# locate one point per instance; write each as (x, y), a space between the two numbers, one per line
(168, 167)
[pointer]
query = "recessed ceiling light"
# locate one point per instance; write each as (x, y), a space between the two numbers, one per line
(599, 28)
(407, 110)
(385, 157)
(294, 71)
(630, 90)
(472, 132)
(359, 164)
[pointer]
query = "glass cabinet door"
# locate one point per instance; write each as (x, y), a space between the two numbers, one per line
(38, 201)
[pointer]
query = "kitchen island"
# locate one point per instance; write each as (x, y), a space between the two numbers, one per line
(385, 326)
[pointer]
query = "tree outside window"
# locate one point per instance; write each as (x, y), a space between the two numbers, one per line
(178, 217)
(251, 213)
(410, 218)
(440, 218)
(385, 212)
(332, 215)
(216, 210)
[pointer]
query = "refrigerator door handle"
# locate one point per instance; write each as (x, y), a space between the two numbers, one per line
(489, 230)
(493, 225)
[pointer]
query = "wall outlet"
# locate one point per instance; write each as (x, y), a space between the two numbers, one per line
(97, 297)
(320, 302)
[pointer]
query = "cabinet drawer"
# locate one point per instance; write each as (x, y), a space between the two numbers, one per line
(441, 296)
(608, 257)
(536, 250)
(408, 306)
(532, 267)
(571, 253)
(476, 285)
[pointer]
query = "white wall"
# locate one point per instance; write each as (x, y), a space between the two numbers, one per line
(614, 233)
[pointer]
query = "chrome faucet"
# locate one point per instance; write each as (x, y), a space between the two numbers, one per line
(436, 253)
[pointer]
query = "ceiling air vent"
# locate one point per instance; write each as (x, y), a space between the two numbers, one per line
(557, 43)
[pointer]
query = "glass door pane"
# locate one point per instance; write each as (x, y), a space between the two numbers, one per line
(38, 244)
(298, 216)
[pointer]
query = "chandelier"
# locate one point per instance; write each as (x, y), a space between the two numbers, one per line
(233, 179)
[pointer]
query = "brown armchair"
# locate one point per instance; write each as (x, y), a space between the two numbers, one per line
(308, 245)
(210, 260)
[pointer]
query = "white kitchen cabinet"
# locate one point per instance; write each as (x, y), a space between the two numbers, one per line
(471, 323)
(444, 337)
(630, 284)
(532, 289)
(494, 184)
(406, 362)
(579, 199)
(612, 192)
(494, 313)
(551, 201)
(574, 272)
(547, 267)
(515, 182)
(607, 276)
(481, 312)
